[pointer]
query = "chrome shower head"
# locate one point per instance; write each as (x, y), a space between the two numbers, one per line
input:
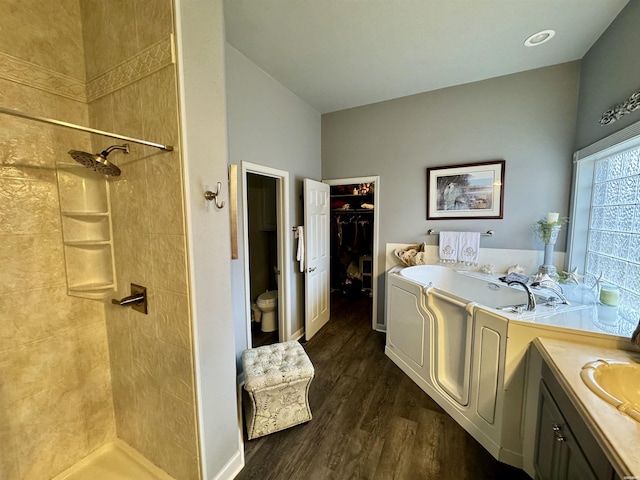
(98, 161)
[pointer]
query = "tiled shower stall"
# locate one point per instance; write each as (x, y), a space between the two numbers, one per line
(77, 372)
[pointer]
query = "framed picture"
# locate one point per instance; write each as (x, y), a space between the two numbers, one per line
(474, 190)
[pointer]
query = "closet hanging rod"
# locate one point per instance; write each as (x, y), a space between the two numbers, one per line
(488, 233)
(17, 113)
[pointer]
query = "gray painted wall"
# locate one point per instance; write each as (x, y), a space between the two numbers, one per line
(527, 119)
(270, 126)
(610, 74)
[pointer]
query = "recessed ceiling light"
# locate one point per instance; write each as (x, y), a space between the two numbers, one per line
(539, 38)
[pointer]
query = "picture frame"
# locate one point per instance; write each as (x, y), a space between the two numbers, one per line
(468, 191)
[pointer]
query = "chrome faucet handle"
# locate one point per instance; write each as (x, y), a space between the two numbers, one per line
(554, 287)
(531, 299)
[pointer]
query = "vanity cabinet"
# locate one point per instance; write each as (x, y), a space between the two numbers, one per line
(564, 447)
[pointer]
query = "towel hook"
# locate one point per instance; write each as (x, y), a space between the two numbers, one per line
(213, 196)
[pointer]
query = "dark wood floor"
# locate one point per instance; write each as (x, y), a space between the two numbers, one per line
(370, 421)
(260, 338)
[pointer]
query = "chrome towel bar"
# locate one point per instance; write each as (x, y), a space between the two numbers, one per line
(488, 233)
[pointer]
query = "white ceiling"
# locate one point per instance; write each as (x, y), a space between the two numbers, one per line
(338, 54)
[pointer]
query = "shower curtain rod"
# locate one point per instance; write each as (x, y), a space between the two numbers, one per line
(17, 113)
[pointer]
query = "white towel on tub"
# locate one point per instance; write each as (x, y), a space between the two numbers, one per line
(448, 247)
(468, 248)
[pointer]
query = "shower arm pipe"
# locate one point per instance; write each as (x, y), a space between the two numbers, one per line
(17, 113)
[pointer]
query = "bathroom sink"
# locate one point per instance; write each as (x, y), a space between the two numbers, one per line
(615, 382)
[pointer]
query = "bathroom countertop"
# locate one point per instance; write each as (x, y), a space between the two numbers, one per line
(617, 433)
(590, 318)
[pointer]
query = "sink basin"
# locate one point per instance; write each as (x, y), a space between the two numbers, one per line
(615, 382)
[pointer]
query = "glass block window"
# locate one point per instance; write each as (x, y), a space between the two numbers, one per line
(613, 248)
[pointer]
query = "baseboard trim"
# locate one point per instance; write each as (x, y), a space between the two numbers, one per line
(231, 468)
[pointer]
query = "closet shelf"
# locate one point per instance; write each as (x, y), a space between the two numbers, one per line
(353, 210)
(350, 195)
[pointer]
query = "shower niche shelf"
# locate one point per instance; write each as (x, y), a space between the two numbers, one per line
(86, 231)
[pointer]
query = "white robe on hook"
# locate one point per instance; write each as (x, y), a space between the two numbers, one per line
(300, 253)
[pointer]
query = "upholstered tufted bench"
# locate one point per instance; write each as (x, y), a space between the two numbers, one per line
(277, 380)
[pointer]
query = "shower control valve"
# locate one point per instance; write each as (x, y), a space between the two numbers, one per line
(137, 300)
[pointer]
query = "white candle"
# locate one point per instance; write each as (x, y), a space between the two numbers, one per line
(552, 217)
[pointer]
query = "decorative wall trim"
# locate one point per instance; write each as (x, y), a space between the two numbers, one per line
(35, 76)
(149, 61)
(628, 106)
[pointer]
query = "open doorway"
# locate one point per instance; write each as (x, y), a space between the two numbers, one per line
(354, 240)
(265, 215)
(263, 258)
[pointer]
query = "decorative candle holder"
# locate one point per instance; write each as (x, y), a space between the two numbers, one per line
(551, 237)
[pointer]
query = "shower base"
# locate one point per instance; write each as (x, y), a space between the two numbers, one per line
(114, 461)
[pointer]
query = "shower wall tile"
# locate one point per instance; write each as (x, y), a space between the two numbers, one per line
(180, 420)
(127, 110)
(165, 188)
(93, 349)
(9, 467)
(35, 314)
(101, 116)
(159, 98)
(98, 412)
(55, 395)
(180, 463)
(48, 442)
(36, 366)
(119, 339)
(171, 314)
(145, 360)
(29, 36)
(31, 261)
(124, 401)
(151, 355)
(151, 424)
(154, 21)
(39, 198)
(129, 200)
(169, 266)
(108, 33)
(133, 260)
(172, 365)
(36, 102)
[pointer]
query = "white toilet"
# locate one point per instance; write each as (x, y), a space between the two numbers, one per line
(268, 304)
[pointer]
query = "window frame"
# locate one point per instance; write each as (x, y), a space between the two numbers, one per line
(584, 162)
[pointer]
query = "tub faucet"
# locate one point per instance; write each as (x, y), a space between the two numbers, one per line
(554, 287)
(531, 303)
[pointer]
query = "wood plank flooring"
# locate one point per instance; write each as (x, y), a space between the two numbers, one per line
(370, 421)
